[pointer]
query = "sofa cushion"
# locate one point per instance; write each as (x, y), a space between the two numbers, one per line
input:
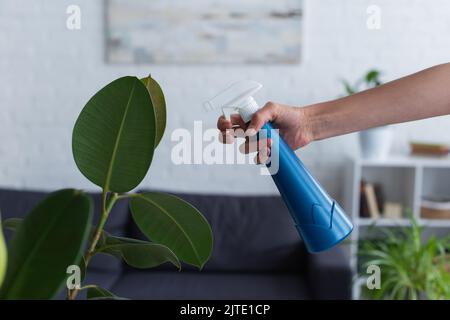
(18, 203)
(251, 233)
(210, 285)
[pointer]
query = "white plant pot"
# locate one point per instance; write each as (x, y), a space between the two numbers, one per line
(375, 143)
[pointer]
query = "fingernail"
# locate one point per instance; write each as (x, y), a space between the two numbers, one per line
(262, 158)
(239, 133)
(242, 148)
(250, 132)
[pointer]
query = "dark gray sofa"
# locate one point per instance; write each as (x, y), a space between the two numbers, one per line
(257, 254)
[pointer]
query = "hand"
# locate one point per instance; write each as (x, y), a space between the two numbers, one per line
(291, 122)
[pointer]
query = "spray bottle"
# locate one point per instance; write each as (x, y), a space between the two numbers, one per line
(319, 219)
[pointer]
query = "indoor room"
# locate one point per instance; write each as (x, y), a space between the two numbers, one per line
(225, 150)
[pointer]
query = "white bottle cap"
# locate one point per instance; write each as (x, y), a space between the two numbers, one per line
(238, 96)
(247, 108)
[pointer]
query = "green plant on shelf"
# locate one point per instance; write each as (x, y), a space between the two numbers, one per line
(113, 143)
(370, 80)
(411, 268)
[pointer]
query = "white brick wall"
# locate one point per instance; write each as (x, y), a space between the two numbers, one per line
(47, 73)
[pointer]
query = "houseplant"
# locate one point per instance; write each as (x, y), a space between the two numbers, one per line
(410, 267)
(375, 142)
(113, 142)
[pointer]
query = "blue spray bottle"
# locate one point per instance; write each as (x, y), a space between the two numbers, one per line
(319, 219)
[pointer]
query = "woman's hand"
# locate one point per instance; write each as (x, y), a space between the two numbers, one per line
(291, 121)
(421, 95)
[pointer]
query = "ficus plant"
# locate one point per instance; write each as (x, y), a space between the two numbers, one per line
(113, 143)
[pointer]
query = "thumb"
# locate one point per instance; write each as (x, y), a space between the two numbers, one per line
(267, 113)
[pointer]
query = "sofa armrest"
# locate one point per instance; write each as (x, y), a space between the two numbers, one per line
(329, 275)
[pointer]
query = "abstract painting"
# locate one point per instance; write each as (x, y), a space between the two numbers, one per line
(203, 31)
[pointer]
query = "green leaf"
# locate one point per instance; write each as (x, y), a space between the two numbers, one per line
(51, 238)
(98, 292)
(139, 254)
(411, 267)
(3, 255)
(372, 78)
(348, 87)
(12, 223)
(159, 105)
(174, 223)
(114, 137)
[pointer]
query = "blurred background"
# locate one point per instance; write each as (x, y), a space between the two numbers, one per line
(301, 51)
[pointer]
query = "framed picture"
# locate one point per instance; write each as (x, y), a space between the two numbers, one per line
(203, 31)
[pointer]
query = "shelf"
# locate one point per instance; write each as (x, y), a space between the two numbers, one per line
(397, 184)
(404, 179)
(405, 161)
(436, 181)
(435, 223)
(367, 222)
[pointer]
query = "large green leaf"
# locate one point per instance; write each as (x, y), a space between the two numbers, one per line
(174, 223)
(114, 137)
(159, 105)
(49, 239)
(139, 254)
(13, 224)
(3, 255)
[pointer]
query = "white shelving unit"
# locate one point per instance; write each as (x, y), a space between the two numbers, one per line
(404, 179)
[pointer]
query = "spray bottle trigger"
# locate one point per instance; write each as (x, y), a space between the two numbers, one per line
(228, 111)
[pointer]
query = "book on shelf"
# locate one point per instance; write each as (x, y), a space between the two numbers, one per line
(435, 207)
(379, 196)
(363, 208)
(392, 210)
(371, 200)
(372, 204)
(430, 149)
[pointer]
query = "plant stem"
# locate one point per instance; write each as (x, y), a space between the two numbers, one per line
(106, 209)
(98, 231)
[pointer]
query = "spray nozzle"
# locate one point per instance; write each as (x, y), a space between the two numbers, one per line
(238, 97)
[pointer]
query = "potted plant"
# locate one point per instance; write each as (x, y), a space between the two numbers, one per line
(113, 143)
(374, 143)
(410, 267)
